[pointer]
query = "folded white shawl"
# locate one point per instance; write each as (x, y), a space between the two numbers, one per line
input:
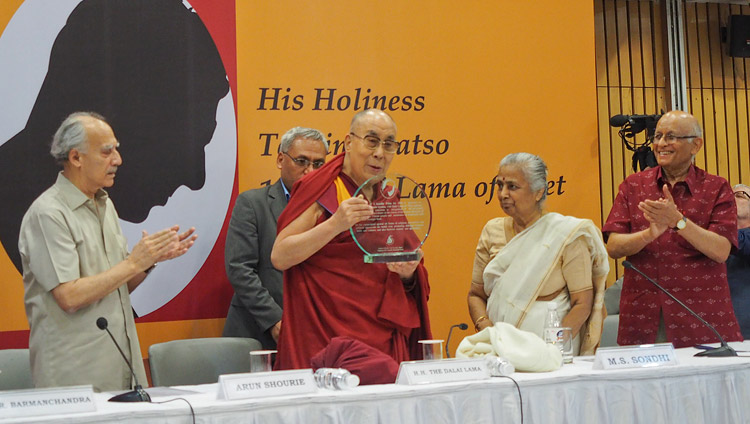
(525, 350)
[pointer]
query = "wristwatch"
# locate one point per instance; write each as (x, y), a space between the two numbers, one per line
(681, 224)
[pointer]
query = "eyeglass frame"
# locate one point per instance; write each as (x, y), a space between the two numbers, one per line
(380, 143)
(305, 162)
(741, 194)
(671, 138)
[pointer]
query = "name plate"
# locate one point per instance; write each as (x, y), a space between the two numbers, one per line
(441, 371)
(264, 384)
(654, 355)
(58, 400)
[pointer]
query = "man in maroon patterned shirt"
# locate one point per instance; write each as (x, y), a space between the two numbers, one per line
(677, 224)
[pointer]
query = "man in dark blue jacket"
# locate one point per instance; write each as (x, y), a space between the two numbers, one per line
(738, 264)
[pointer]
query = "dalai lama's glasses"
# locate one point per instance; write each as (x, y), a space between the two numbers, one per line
(305, 162)
(742, 195)
(372, 143)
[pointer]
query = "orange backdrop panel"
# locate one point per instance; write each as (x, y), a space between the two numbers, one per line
(492, 78)
(473, 81)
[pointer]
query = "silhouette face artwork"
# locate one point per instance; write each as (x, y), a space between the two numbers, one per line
(151, 68)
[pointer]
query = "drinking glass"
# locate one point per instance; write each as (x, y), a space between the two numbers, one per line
(566, 338)
(261, 360)
(432, 349)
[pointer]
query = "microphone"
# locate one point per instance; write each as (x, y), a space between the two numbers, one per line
(618, 120)
(723, 350)
(637, 121)
(137, 394)
(462, 326)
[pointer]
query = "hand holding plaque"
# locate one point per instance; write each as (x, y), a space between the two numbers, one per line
(400, 222)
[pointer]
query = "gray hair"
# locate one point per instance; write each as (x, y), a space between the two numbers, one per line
(736, 186)
(534, 169)
(698, 132)
(301, 132)
(697, 129)
(71, 135)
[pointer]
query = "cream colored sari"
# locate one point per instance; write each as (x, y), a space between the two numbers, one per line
(514, 277)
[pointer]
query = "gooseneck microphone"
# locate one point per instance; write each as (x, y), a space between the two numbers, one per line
(723, 350)
(137, 394)
(462, 326)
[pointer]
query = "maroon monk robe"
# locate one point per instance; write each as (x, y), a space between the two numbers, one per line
(369, 364)
(334, 293)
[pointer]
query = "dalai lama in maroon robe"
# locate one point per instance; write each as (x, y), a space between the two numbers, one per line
(328, 289)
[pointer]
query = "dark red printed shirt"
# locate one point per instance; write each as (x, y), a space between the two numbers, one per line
(699, 282)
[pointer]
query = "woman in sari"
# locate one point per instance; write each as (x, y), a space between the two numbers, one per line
(532, 257)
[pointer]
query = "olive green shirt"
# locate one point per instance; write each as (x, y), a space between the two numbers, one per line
(65, 236)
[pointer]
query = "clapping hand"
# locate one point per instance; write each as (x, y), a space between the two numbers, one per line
(161, 246)
(661, 214)
(186, 241)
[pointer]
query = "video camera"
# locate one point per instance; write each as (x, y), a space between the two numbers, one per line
(630, 126)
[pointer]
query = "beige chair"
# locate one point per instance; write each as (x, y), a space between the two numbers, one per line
(199, 361)
(15, 369)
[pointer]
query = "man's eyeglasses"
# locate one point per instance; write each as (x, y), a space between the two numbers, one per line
(742, 195)
(372, 143)
(670, 138)
(305, 162)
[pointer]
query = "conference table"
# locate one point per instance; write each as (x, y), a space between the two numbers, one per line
(696, 390)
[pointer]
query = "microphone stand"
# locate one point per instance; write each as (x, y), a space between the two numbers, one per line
(135, 395)
(721, 351)
(462, 326)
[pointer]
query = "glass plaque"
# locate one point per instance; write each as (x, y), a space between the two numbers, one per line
(400, 223)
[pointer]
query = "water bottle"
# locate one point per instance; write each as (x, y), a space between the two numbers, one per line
(335, 379)
(553, 326)
(498, 366)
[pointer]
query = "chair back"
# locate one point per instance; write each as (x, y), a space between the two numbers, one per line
(609, 331)
(612, 297)
(15, 369)
(199, 361)
(612, 321)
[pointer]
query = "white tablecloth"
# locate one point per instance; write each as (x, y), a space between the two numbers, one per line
(698, 390)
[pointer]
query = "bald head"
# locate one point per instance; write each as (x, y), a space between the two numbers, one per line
(370, 114)
(683, 120)
(677, 139)
(370, 145)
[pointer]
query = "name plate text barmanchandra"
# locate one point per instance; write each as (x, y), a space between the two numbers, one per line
(54, 401)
